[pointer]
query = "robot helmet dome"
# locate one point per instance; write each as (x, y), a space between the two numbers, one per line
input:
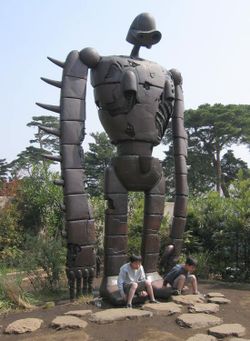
(143, 31)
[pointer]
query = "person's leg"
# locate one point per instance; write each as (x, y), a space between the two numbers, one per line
(131, 293)
(179, 283)
(194, 284)
(150, 291)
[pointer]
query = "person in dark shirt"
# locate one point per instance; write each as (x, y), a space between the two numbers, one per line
(181, 276)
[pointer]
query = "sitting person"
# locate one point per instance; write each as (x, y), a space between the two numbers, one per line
(132, 280)
(180, 277)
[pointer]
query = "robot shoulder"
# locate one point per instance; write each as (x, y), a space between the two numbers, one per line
(90, 57)
(177, 77)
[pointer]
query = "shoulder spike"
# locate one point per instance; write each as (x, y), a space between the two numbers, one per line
(55, 61)
(48, 130)
(52, 82)
(52, 157)
(54, 108)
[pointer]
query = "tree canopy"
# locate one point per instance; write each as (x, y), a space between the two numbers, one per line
(212, 130)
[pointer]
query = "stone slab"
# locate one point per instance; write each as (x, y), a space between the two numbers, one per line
(215, 294)
(155, 334)
(71, 322)
(188, 299)
(65, 335)
(164, 309)
(219, 300)
(78, 313)
(227, 329)
(118, 314)
(207, 308)
(199, 320)
(23, 326)
(202, 337)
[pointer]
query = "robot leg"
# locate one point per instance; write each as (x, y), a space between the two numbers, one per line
(116, 233)
(153, 213)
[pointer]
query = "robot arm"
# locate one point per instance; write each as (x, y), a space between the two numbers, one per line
(173, 250)
(79, 221)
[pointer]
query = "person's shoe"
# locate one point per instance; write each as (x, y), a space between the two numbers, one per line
(129, 305)
(176, 292)
(154, 301)
(196, 293)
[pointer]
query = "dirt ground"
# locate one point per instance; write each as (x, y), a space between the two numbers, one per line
(155, 328)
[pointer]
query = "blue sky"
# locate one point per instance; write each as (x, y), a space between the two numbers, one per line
(207, 40)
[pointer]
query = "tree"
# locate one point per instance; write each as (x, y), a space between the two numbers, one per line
(211, 130)
(4, 168)
(230, 166)
(214, 128)
(96, 161)
(44, 140)
(47, 143)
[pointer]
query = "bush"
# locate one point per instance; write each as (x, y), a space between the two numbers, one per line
(220, 228)
(45, 254)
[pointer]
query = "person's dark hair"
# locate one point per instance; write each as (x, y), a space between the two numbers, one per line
(135, 258)
(191, 261)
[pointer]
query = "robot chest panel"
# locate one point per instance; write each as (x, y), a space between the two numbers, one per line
(117, 78)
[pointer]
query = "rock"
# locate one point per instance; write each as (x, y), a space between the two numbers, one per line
(23, 326)
(66, 335)
(215, 294)
(64, 322)
(229, 329)
(218, 300)
(188, 299)
(201, 337)
(207, 308)
(78, 313)
(238, 339)
(48, 305)
(164, 309)
(118, 314)
(198, 320)
(154, 334)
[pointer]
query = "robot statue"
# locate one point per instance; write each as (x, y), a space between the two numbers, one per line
(136, 98)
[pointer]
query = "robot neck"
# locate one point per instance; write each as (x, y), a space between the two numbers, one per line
(135, 51)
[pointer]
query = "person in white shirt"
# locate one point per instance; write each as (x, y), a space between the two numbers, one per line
(132, 280)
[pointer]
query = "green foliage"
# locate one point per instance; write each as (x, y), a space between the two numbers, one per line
(4, 168)
(43, 143)
(220, 227)
(98, 204)
(39, 201)
(48, 254)
(96, 161)
(11, 234)
(211, 130)
(135, 222)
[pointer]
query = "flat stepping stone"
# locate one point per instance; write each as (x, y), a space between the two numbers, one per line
(202, 337)
(71, 322)
(78, 313)
(215, 294)
(188, 299)
(198, 320)
(229, 329)
(118, 314)
(164, 309)
(66, 335)
(207, 308)
(23, 326)
(155, 334)
(219, 300)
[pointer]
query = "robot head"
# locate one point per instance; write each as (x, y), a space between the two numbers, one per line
(143, 31)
